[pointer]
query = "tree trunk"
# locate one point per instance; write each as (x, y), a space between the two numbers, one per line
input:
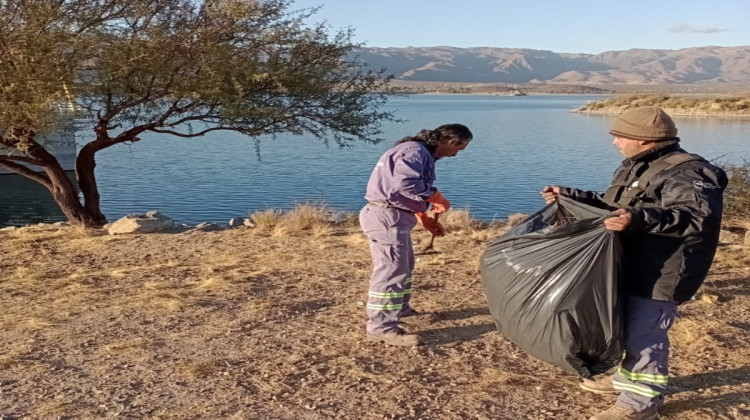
(54, 178)
(66, 196)
(85, 164)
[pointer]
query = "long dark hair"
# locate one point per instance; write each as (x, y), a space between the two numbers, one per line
(446, 132)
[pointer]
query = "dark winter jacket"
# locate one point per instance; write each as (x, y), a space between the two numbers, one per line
(672, 238)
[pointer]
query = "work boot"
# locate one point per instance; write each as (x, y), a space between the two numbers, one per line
(600, 385)
(618, 412)
(397, 337)
(413, 317)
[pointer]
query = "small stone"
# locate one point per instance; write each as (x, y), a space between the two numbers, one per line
(235, 222)
(207, 227)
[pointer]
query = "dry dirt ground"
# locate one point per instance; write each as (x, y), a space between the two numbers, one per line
(268, 324)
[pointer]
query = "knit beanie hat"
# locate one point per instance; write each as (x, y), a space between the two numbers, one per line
(646, 123)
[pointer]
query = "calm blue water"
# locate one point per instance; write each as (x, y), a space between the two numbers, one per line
(520, 144)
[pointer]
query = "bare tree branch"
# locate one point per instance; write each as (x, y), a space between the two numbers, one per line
(198, 134)
(39, 177)
(24, 159)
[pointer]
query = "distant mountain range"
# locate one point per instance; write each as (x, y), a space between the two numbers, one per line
(514, 65)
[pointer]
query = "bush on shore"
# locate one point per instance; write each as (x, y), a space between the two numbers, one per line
(678, 105)
(737, 195)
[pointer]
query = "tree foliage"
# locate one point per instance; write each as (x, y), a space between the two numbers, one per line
(180, 67)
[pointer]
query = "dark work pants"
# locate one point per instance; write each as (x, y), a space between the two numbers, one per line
(643, 374)
(388, 231)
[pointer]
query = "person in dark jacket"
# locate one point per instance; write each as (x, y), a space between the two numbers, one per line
(667, 204)
(399, 193)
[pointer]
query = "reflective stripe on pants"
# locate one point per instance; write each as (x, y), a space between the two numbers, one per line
(388, 231)
(643, 374)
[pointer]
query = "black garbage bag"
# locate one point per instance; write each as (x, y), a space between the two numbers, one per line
(551, 284)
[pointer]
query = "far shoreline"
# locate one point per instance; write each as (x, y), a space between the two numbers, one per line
(713, 106)
(671, 112)
(623, 102)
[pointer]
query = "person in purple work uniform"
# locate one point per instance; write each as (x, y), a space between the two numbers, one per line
(399, 193)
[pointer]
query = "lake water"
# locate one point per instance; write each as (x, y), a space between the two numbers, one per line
(520, 144)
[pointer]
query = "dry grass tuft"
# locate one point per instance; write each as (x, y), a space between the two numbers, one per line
(26, 275)
(34, 324)
(213, 284)
(266, 219)
(516, 219)
(307, 218)
(493, 231)
(313, 219)
(690, 334)
(154, 296)
(201, 369)
(8, 358)
(459, 221)
(733, 258)
(743, 222)
(55, 409)
(350, 220)
(322, 229)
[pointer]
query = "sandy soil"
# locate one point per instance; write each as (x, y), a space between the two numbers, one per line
(267, 324)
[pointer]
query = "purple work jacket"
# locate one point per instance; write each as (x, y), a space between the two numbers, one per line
(403, 177)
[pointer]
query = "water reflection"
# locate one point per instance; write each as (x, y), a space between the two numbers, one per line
(25, 201)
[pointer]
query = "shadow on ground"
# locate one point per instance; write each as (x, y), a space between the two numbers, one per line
(739, 376)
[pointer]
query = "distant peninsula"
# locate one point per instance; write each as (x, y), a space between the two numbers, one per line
(688, 105)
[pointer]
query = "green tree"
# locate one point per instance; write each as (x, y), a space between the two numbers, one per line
(180, 67)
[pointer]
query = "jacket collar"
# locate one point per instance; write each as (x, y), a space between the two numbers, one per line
(661, 149)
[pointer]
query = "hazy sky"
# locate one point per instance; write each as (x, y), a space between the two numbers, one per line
(564, 26)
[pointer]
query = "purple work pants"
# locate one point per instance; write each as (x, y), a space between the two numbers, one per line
(643, 374)
(388, 231)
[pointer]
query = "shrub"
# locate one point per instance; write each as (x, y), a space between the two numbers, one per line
(738, 104)
(314, 218)
(266, 219)
(737, 195)
(460, 220)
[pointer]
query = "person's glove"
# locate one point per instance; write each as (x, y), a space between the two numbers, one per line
(430, 224)
(439, 203)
